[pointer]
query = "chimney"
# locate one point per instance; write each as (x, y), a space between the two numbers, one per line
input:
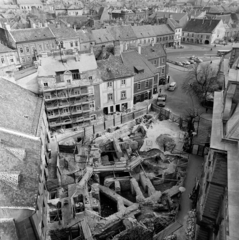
(139, 49)
(117, 49)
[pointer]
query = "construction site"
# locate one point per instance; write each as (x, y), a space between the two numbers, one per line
(125, 183)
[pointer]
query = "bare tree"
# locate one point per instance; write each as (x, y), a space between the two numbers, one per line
(201, 80)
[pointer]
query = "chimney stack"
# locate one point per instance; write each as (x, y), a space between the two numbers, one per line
(139, 49)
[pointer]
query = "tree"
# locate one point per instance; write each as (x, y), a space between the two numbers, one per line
(201, 80)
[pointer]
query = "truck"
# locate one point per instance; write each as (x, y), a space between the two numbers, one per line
(161, 100)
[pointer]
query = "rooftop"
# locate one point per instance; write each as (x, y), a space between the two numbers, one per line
(22, 108)
(18, 176)
(62, 32)
(122, 32)
(151, 52)
(84, 36)
(175, 16)
(136, 61)
(29, 2)
(31, 34)
(144, 31)
(113, 68)
(8, 229)
(51, 65)
(201, 25)
(162, 29)
(102, 36)
(5, 49)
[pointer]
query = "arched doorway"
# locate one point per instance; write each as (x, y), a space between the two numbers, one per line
(206, 42)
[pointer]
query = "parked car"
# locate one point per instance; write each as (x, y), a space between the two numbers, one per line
(192, 57)
(172, 86)
(186, 63)
(180, 64)
(198, 60)
(161, 100)
(192, 61)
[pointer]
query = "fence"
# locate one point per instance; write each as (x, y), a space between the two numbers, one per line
(164, 114)
(115, 121)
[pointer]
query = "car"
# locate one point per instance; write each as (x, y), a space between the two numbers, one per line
(192, 61)
(180, 64)
(161, 100)
(192, 57)
(172, 86)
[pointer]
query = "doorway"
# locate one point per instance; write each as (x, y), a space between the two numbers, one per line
(118, 108)
(206, 41)
(105, 110)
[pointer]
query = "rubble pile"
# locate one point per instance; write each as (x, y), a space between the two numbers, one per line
(191, 222)
(121, 185)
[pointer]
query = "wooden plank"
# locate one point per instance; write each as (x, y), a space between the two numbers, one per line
(86, 230)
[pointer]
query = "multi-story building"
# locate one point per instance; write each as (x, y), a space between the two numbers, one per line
(66, 38)
(70, 87)
(218, 214)
(156, 54)
(29, 43)
(146, 74)
(164, 35)
(28, 5)
(145, 34)
(124, 35)
(117, 87)
(203, 31)
(9, 60)
(177, 31)
(24, 156)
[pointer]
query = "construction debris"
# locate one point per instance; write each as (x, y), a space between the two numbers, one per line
(121, 185)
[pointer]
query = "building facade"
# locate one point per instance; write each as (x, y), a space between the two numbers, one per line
(117, 86)
(203, 31)
(29, 43)
(218, 204)
(164, 35)
(71, 93)
(9, 61)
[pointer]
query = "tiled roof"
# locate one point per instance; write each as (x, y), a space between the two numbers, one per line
(113, 68)
(63, 32)
(4, 49)
(77, 21)
(173, 23)
(32, 34)
(201, 25)
(84, 36)
(122, 32)
(175, 16)
(134, 60)
(162, 29)
(20, 107)
(8, 229)
(102, 36)
(144, 31)
(220, 169)
(151, 52)
(24, 195)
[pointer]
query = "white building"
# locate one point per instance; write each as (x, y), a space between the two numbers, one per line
(9, 61)
(28, 5)
(117, 88)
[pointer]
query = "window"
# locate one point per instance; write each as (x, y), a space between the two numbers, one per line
(109, 84)
(68, 81)
(47, 46)
(90, 77)
(23, 59)
(11, 60)
(92, 106)
(123, 95)
(2, 60)
(138, 86)
(45, 84)
(76, 43)
(162, 60)
(40, 47)
(29, 59)
(192, 35)
(110, 97)
(71, 44)
(47, 97)
(123, 82)
(21, 50)
(162, 70)
(147, 83)
(27, 49)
